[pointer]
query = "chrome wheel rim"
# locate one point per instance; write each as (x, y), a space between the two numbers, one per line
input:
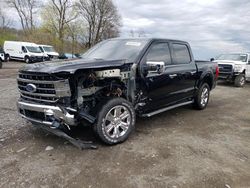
(242, 81)
(204, 96)
(117, 121)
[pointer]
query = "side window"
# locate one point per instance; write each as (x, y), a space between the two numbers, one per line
(24, 49)
(159, 52)
(181, 54)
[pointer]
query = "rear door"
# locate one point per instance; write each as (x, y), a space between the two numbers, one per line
(184, 70)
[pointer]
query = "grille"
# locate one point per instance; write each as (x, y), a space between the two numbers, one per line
(48, 89)
(225, 68)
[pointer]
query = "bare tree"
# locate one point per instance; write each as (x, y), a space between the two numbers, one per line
(4, 20)
(137, 33)
(102, 18)
(26, 10)
(74, 31)
(56, 16)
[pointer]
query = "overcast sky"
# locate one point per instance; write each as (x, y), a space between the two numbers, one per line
(210, 26)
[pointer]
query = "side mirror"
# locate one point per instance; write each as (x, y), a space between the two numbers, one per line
(155, 67)
(212, 59)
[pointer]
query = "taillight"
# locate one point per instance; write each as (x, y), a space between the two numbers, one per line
(217, 71)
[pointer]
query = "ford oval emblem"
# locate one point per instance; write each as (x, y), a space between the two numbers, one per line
(31, 88)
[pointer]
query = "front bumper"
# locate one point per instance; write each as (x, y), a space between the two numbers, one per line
(36, 58)
(228, 76)
(45, 114)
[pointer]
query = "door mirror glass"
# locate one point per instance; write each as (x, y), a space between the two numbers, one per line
(154, 67)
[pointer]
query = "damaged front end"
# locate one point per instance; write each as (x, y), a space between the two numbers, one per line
(63, 100)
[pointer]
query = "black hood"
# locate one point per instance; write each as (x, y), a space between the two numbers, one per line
(71, 66)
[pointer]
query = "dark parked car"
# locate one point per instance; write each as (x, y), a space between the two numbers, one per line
(112, 83)
(67, 56)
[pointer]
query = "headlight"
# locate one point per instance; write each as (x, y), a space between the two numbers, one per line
(238, 68)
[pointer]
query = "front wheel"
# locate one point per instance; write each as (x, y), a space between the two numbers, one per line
(7, 58)
(240, 80)
(27, 60)
(115, 121)
(202, 97)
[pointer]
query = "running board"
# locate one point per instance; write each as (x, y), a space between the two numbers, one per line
(166, 109)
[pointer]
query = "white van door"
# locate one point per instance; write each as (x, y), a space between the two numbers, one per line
(17, 51)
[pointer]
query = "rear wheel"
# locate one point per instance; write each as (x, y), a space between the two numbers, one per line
(115, 121)
(240, 80)
(202, 98)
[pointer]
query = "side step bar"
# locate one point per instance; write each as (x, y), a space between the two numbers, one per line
(166, 109)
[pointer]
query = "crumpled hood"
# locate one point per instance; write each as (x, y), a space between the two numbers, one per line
(71, 66)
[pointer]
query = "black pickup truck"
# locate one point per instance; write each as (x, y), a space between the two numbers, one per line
(112, 83)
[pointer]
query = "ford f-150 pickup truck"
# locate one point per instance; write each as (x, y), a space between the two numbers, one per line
(112, 83)
(234, 67)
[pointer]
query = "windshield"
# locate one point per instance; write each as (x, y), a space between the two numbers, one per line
(115, 49)
(48, 49)
(233, 57)
(33, 49)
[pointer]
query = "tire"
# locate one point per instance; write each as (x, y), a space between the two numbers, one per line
(240, 80)
(1, 64)
(115, 121)
(202, 98)
(27, 59)
(7, 58)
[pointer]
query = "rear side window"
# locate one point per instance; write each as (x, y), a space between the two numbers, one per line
(181, 54)
(159, 52)
(24, 49)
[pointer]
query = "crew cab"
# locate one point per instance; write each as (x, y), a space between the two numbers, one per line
(112, 83)
(234, 67)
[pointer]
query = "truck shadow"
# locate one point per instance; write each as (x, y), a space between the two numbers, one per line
(144, 126)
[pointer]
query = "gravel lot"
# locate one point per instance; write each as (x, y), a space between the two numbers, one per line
(179, 148)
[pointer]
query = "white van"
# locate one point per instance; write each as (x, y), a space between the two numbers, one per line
(49, 51)
(234, 67)
(25, 51)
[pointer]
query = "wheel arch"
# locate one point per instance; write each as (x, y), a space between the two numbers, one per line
(206, 78)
